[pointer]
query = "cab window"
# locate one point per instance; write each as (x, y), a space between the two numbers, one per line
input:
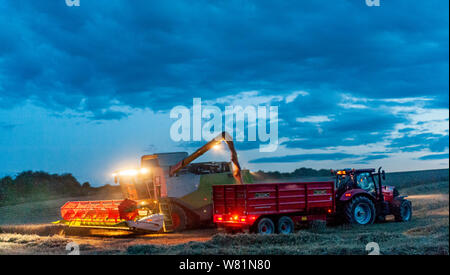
(365, 182)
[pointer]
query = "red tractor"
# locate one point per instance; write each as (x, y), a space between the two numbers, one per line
(362, 199)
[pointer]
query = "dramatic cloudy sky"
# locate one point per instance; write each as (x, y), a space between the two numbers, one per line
(88, 89)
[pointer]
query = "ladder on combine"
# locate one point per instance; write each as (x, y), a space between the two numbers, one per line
(166, 210)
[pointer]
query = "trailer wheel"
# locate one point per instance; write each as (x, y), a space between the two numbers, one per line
(265, 226)
(179, 218)
(285, 225)
(404, 212)
(360, 210)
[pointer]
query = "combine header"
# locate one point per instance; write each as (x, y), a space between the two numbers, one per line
(116, 214)
(168, 193)
(93, 213)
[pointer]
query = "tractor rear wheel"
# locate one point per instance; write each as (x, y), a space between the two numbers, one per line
(179, 218)
(285, 225)
(404, 212)
(265, 226)
(360, 210)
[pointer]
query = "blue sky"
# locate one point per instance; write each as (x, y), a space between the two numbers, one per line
(88, 89)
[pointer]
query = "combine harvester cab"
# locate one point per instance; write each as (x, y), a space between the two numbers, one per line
(168, 193)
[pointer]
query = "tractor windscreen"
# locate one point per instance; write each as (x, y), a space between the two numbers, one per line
(365, 182)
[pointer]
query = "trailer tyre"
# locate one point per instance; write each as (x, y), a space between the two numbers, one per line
(265, 226)
(179, 218)
(360, 210)
(404, 212)
(285, 225)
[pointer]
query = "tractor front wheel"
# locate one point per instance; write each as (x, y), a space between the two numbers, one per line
(360, 210)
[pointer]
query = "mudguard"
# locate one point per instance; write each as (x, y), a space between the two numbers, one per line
(348, 195)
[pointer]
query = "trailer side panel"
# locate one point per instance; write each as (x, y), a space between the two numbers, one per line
(244, 203)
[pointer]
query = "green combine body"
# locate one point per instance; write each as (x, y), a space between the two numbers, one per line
(202, 197)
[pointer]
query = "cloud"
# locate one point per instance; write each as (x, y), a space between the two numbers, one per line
(374, 157)
(368, 159)
(349, 127)
(152, 55)
(304, 157)
(417, 142)
(108, 115)
(313, 119)
(434, 157)
(342, 74)
(7, 126)
(294, 95)
(440, 144)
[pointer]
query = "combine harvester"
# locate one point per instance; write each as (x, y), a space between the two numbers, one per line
(356, 196)
(168, 193)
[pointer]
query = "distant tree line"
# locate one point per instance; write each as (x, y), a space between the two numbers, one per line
(34, 186)
(297, 173)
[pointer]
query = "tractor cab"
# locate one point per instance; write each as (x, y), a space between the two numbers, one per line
(365, 179)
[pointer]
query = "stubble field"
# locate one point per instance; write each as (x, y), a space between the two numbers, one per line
(426, 233)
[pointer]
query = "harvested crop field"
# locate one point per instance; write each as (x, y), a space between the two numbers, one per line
(426, 233)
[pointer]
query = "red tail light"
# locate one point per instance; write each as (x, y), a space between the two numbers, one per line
(235, 219)
(218, 218)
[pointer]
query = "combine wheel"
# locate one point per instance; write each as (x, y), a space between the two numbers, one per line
(404, 212)
(179, 218)
(265, 226)
(360, 210)
(285, 225)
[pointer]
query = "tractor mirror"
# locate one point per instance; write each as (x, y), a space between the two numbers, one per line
(383, 174)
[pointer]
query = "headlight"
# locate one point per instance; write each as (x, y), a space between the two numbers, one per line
(144, 170)
(131, 172)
